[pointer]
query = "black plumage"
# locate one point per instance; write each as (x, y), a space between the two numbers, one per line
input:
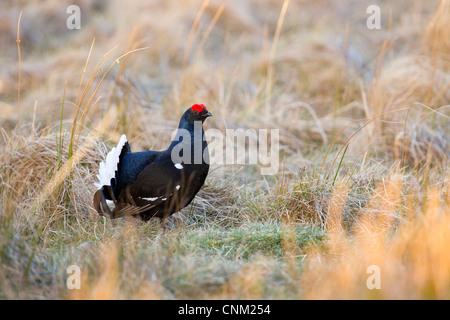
(156, 183)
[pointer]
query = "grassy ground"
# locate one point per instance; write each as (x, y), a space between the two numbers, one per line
(364, 125)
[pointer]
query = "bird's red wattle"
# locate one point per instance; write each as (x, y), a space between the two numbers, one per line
(198, 107)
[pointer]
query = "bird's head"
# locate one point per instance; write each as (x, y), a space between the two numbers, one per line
(197, 112)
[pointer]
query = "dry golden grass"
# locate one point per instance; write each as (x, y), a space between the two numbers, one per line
(412, 258)
(364, 126)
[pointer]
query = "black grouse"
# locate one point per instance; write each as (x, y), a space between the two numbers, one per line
(155, 183)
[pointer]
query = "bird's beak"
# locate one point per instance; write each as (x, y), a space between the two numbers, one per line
(208, 114)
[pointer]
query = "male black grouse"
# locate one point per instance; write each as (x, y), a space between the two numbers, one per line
(155, 183)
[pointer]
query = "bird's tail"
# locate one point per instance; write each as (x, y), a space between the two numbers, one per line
(108, 176)
(100, 204)
(120, 209)
(109, 168)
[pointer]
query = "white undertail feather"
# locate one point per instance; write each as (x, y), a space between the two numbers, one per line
(107, 169)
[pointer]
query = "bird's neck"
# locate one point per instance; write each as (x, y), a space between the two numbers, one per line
(189, 133)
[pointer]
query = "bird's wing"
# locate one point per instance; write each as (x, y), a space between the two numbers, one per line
(160, 179)
(129, 168)
(157, 186)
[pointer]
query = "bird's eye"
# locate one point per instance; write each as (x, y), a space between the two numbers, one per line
(195, 112)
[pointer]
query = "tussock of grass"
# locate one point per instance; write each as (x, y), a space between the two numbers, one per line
(28, 165)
